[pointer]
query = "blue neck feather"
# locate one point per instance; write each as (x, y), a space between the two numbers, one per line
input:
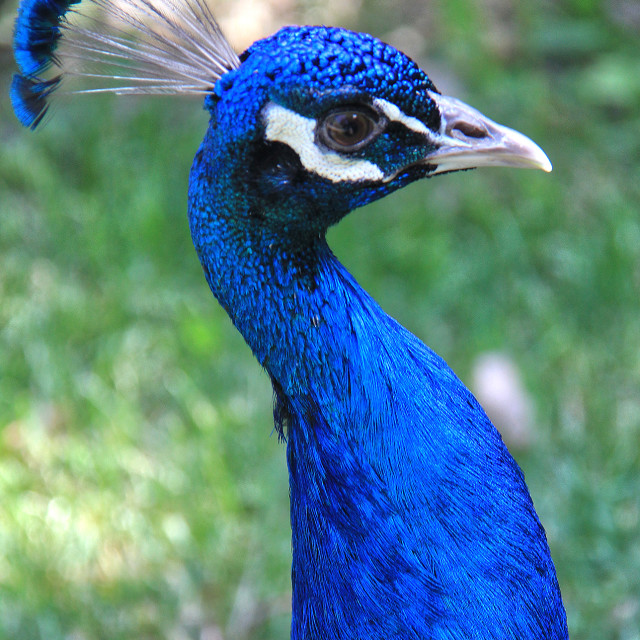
(402, 491)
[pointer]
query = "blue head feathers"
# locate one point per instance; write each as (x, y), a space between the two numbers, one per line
(410, 520)
(267, 110)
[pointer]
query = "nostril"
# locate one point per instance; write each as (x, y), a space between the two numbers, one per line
(468, 130)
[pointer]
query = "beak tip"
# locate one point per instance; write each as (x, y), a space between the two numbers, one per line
(527, 150)
(547, 167)
(540, 159)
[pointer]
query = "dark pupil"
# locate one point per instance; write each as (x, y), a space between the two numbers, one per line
(348, 128)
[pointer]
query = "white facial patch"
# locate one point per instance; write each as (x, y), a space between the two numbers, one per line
(393, 113)
(298, 133)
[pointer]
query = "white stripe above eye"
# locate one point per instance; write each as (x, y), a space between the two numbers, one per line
(298, 133)
(394, 113)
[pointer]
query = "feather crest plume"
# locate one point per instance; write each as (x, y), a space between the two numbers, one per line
(117, 46)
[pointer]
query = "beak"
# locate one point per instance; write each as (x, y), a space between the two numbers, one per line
(468, 139)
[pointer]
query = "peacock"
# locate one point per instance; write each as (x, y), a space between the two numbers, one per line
(410, 519)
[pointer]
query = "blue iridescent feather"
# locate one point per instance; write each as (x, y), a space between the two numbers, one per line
(29, 98)
(36, 36)
(37, 32)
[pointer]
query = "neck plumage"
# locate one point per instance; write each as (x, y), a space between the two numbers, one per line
(406, 508)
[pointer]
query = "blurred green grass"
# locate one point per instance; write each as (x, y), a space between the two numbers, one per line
(141, 492)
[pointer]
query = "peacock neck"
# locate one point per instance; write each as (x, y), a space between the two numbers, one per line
(283, 289)
(400, 486)
(321, 339)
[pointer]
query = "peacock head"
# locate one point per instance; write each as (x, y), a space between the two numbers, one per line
(322, 120)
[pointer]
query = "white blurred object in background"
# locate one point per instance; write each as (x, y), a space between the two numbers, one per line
(497, 384)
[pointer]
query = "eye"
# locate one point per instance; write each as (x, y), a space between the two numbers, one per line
(349, 128)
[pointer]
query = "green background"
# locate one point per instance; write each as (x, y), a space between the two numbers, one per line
(143, 493)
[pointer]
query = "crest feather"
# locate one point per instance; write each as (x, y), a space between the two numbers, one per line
(116, 46)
